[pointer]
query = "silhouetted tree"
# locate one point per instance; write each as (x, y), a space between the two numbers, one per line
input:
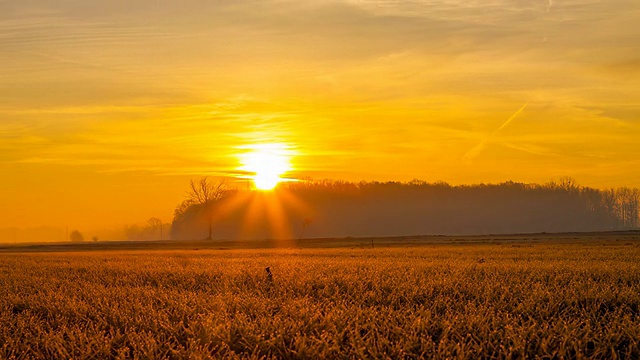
(202, 196)
(306, 222)
(76, 236)
(133, 232)
(95, 239)
(627, 206)
(415, 208)
(155, 224)
(205, 191)
(568, 183)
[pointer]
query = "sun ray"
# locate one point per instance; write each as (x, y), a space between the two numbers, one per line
(277, 218)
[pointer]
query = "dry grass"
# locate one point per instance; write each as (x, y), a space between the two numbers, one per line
(504, 300)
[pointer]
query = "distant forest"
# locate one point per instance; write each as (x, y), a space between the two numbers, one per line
(340, 209)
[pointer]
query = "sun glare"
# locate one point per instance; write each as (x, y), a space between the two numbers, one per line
(267, 163)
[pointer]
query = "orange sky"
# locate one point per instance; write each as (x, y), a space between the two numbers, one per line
(108, 108)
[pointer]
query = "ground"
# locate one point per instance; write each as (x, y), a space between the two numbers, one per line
(544, 295)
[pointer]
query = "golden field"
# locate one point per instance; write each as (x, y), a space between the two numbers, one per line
(475, 297)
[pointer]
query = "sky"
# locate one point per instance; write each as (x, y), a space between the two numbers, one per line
(108, 108)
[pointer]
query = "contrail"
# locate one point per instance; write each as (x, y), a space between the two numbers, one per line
(476, 150)
(515, 115)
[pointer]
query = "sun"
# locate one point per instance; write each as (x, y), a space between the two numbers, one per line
(266, 163)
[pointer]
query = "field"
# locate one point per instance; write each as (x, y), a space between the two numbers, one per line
(547, 296)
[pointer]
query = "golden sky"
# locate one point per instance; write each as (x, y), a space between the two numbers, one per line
(107, 108)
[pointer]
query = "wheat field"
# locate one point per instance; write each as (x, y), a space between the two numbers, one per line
(489, 300)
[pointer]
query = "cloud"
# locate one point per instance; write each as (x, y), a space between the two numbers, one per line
(100, 79)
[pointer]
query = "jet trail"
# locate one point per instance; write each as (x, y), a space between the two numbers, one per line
(476, 150)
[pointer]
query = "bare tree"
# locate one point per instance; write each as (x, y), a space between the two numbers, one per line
(568, 183)
(206, 193)
(305, 224)
(628, 206)
(155, 224)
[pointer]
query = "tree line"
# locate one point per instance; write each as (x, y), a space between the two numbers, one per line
(338, 208)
